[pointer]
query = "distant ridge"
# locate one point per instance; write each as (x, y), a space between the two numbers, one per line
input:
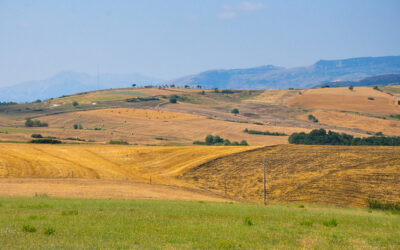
(391, 79)
(270, 76)
(69, 82)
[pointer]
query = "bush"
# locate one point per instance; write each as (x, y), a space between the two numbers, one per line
(235, 111)
(46, 141)
(217, 140)
(172, 100)
(143, 99)
(118, 142)
(371, 98)
(75, 103)
(376, 204)
(78, 126)
(35, 123)
(321, 137)
(244, 143)
(7, 103)
(255, 132)
(49, 231)
(227, 91)
(36, 136)
(28, 229)
(330, 223)
(351, 87)
(248, 222)
(312, 118)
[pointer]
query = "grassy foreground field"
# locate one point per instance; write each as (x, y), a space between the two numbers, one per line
(54, 223)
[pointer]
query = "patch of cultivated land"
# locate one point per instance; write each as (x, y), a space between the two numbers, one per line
(356, 100)
(54, 223)
(390, 127)
(336, 175)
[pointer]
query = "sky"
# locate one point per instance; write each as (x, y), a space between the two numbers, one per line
(172, 38)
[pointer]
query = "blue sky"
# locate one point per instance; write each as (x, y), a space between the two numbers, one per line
(172, 38)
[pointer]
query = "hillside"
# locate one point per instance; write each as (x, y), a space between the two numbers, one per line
(335, 175)
(381, 80)
(272, 77)
(145, 116)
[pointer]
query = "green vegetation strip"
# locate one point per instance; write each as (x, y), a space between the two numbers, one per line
(54, 223)
(256, 132)
(321, 137)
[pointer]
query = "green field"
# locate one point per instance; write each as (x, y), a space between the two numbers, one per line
(59, 223)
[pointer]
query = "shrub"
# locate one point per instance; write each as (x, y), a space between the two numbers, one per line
(227, 91)
(143, 99)
(216, 90)
(118, 142)
(38, 101)
(46, 141)
(312, 118)
(28, 229)
(379, 133)
(321, 137)
(351, 87)
(248, 222)
(49, 231)
(255, 132)
(7, 103)
(70, 212)
(172, 100)
(133, 85)
(36, 136)
(202, 92)
(35, 123)
(217, 140)
(306, 223)
(371, 98)
(376, 204)
(235, 111)
(78, 126)
(330, 223)
(75, 103)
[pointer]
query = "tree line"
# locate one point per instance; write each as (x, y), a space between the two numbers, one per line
(321, 137)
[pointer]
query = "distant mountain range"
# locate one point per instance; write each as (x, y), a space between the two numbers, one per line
(393, 79)
(68, 82)
(264, 77)
(302, 77)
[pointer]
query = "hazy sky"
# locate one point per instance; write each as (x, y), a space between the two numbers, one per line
(172, 38)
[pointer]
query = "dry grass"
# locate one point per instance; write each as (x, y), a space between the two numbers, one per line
(274, 96)
(337, 175)
(351, 120)
(355, 100)
(111, 162)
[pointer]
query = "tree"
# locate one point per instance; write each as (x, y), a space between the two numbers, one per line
(187, 86)
(172, 86)
(75, 103)
(29, 122)
(244, 143)
(209, 139)
(172, 99)
(351, 87)
(199, 86)
(235, 111)
(133, 85)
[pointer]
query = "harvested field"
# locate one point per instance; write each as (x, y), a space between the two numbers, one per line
(95, 188)
(112, 162)
(351, 120)
(274, 96)
(336, 175)
(356, 100)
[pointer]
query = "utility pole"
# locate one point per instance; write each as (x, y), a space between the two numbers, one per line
(265, 190)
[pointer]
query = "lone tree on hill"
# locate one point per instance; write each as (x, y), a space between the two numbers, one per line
(235, 111)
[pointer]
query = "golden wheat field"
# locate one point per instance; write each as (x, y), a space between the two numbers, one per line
(114, 162)
(335, 175)
(360, 99)
(356, 121)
